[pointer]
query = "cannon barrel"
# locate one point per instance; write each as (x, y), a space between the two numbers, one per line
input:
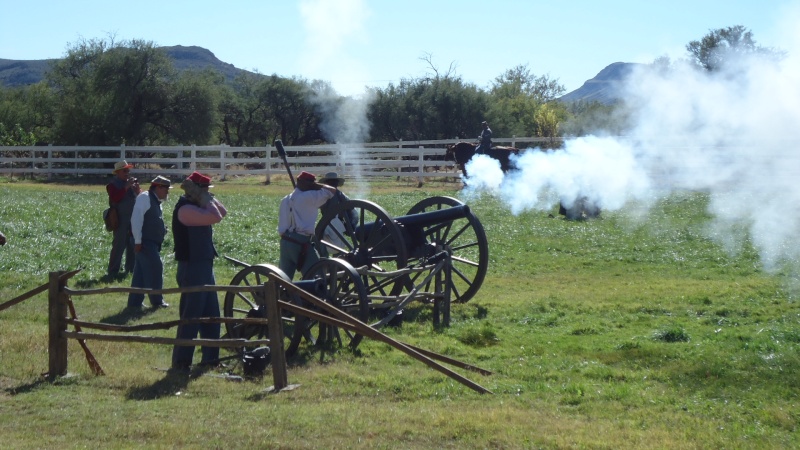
(430, 218)
(422, 220)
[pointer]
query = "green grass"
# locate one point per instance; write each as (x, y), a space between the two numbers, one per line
(631, 331)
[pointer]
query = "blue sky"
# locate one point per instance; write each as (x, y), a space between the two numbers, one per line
(353, 43)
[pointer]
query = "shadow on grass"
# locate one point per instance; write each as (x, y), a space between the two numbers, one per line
(27, 387)
(128, 315)
(105, 279)
(173, 383)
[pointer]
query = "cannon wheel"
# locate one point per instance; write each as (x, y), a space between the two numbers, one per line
(251, 304)
(377, 248)
(465, 240)
(344, 289)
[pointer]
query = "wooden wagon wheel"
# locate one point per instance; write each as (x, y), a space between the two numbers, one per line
(341, 286)
(464, 239)
(375, 242)
(252, 305)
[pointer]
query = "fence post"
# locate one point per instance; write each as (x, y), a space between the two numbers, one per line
(400, 168)
(50, 162)
(268, 164)
(193, 164)
(275, 334)
(222, 163)
(421, 169)
(57, 312)
(514, 140)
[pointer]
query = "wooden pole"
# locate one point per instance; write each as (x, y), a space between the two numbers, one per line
(275, 334)
(448, 290)
(313, 315)
(366, 330)
(57, 343)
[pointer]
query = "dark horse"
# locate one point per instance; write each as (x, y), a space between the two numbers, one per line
(462, 153)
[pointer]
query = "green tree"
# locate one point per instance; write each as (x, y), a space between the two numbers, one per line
(111, 93)
(31, 108)
(584, 118)
(523, 104)
(721, 45)
(15, 135)
(257, 109)
(438, 107)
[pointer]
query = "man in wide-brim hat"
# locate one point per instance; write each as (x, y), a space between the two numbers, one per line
(121, 165)
(332, 179)
(336, 229)
(122, 192)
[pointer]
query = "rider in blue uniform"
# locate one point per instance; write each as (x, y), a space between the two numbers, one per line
(485, 139)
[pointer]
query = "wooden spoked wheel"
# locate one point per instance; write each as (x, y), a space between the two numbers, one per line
(252, 305)
(338, 284)
(464, 239)
(374, 242)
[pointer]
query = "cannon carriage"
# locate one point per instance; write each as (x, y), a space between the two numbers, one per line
(437, 253)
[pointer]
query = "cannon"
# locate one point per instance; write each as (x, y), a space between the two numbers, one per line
(378, 263)
(381, 243)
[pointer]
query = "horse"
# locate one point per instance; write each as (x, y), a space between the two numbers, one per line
(462, 153)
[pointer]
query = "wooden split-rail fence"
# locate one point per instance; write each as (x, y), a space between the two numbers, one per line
(62, 314)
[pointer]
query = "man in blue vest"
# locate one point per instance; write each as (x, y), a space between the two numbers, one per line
(122, 192)
(148, 229)
(196, 211)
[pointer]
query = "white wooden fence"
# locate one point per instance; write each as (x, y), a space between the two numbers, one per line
(419, 159)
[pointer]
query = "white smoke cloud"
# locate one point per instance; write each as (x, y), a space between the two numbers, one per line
(332, 26)
(734, 134)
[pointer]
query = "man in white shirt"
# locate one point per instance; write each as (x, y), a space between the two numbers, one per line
(148, 229)
(297, 218)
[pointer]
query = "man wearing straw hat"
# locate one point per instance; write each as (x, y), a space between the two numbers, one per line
(148, 229)
(122, 192)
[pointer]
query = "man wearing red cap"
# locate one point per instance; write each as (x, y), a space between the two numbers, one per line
(122, 192)
(297, 218)
(196, 211)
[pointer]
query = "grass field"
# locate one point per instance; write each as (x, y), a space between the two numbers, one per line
(630, 331)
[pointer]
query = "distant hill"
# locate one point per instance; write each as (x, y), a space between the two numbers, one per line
(24, 72)
(604, 87)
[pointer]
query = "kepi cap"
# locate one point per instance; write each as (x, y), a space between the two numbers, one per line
(200, 179)
(122, 165)
(306, 176)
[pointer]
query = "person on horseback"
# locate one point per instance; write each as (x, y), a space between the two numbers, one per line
(485, 139)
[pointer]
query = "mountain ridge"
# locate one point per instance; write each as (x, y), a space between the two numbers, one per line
(603, 88)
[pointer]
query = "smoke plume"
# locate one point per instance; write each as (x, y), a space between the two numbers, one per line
(732, 133)
(331, 27)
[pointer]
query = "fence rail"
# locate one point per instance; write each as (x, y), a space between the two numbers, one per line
(59, 302)
(418, 159)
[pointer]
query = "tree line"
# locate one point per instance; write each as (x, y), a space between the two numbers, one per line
(108, 93)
